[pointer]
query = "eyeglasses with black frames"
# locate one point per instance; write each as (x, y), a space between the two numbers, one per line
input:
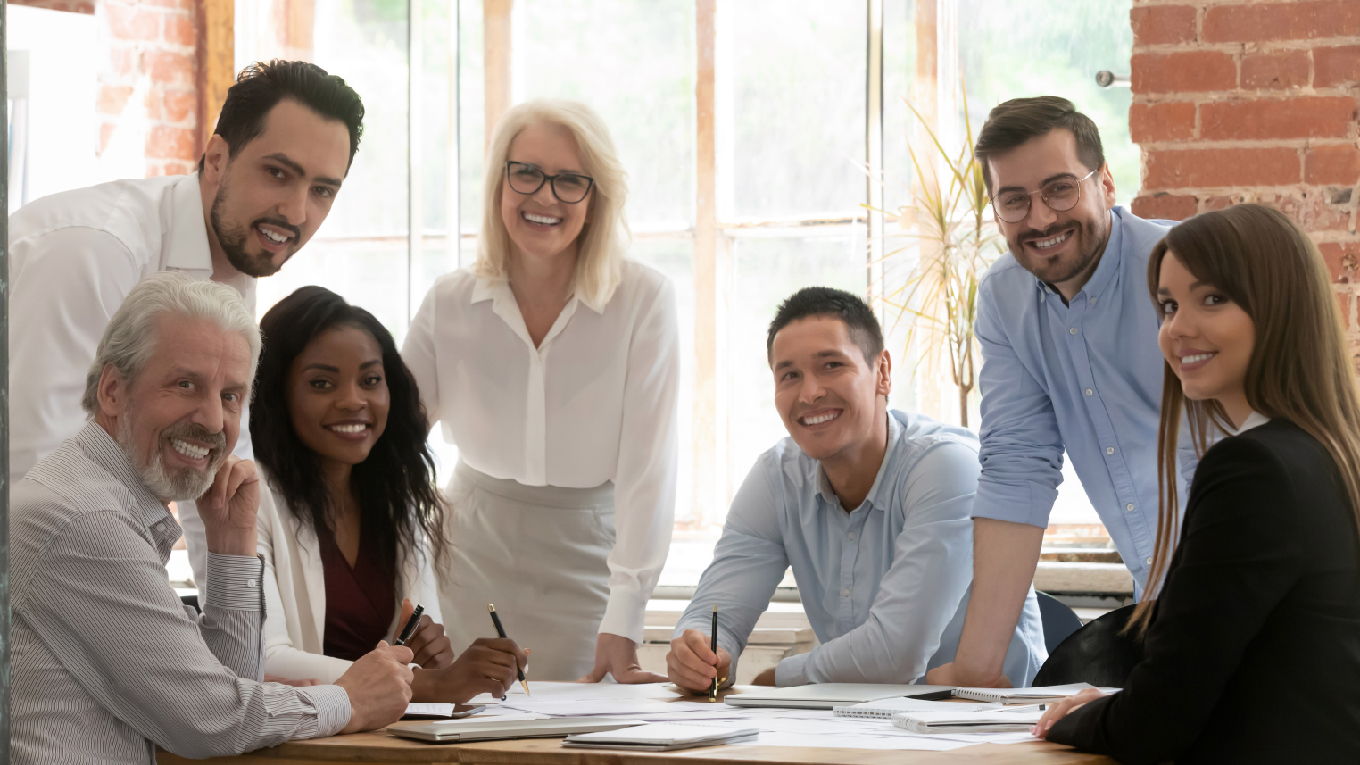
(527, 179)
(1060, 194)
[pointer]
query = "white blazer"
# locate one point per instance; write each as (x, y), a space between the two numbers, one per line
(295, 593)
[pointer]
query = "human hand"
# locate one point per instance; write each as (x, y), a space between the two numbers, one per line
(1061, 709)
(764, 678)
(296, 682)
(617, 655)
(489, 665)
(431, 646)
(954, 674)
(229, 506)
(379, 687)
(692, 665)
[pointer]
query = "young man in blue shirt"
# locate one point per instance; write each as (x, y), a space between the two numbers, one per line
(871, 509)
(1069, 362)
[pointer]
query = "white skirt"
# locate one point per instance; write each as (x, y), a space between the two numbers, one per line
(539, 554)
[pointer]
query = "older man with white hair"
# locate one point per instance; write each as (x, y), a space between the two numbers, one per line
(108, 664)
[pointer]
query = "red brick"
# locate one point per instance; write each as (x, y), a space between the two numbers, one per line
(129, 22)
(1163, 24)
(1343, 301)
(1195, 71)
(1342, 259)
(1214, 168)
(1261, 22)
(113, 99)
(1336, 66)
(171, 69)
(164, 142)
(171, 104)
(125, 63)
(1220, 202)
(1161, 122)
(1299, 117)
(1165, 207)
(1332, 165)
(1310, 209)
(1280, 69)
(179, 30)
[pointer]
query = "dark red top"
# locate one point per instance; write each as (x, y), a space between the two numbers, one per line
(361, 601)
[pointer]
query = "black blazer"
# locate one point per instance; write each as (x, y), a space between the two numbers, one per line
(1253, 653)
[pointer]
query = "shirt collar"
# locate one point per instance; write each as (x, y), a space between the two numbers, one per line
(1254, 420)
(185, 246)
(100, 447)
(873, 500)
(504, 305)
(1109, 260)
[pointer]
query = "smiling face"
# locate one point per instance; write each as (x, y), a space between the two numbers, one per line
(270, 197)
(540, 225)
(1062, 248)
(179, 418)
(337, 395)
(831, 399)
(1206, 338)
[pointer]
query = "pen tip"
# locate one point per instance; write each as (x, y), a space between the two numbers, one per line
(525, 683)
(491, 607)
(715, 608)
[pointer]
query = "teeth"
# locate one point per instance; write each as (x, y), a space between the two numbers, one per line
(818, 420)
(188, 449)
(1197, 358)
(1051, 242)
(348, 428)
(271, 236)
(545, 220)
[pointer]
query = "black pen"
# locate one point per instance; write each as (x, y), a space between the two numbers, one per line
(496, 620)
(410, 627)
(713, 646)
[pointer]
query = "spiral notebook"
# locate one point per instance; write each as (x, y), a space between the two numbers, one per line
(884, 709)
(660, 737)
(1037, 695)
(1001, 720)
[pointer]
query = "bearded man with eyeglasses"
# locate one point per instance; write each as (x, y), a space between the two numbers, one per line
(1070, 364)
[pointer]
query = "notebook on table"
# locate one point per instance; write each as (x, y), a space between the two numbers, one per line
(489, 729)
(1037, 695)
(831, 695)
(660, 737)
(999, 720)
(884, 709)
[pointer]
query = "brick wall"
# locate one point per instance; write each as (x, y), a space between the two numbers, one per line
(1241, 101)
(147, 98)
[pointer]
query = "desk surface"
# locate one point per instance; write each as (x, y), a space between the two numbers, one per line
(378, 746)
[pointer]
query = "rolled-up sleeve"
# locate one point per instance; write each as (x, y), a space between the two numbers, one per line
(920, 593)
(1022, 449)
(644, 493)
(747, 566)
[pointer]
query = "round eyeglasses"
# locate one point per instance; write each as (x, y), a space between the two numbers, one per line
(1060, 194)
(527, 179)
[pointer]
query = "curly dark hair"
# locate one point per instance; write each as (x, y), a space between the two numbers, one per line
(398, 499)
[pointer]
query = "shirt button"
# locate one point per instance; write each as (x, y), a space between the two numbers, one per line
(1088, 391)
(1093, 301)
(1129, 507)
(250, 582)
(1149, 561)
(1109, 450)
(846, 592)
(851, 535)
(1072, 331)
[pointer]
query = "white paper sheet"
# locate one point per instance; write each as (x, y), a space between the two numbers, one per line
(432, 710)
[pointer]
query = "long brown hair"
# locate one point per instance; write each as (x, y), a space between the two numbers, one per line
(1299, 370)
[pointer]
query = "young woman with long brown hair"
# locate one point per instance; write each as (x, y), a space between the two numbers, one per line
(1252, 645)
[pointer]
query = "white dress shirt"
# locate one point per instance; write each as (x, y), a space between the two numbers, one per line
(295, 593)
(73, 257)
(595, 402)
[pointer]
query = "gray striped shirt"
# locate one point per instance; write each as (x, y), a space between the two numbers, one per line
(107, 663)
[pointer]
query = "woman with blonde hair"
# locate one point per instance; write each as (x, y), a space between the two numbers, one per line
(1252, 645)
(553, 366)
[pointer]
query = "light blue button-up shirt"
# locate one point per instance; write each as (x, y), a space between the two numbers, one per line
(1085, 377)
(885, 586)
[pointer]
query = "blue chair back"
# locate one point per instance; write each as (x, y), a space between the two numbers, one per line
(1059, 620)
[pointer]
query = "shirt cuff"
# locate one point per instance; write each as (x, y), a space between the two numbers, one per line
(1017, 504)
(623, 615)
(332, 708)
(791, 670)
(235, 581)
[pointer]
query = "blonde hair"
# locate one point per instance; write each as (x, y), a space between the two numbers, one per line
(601, 244)
(1299, 370)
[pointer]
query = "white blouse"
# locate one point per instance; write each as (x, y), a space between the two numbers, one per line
(595, 402)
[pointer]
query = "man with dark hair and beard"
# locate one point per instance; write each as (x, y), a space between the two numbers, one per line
(268, 176)
(282, 147)
(108, 664)
(1070, 362)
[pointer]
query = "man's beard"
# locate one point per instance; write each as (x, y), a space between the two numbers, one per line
(1092, 245)
(184, 484)
(233, 240)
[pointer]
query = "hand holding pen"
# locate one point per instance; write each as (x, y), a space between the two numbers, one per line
(500, 630)
(424, 636)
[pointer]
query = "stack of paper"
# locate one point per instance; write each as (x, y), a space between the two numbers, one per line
(985, 721)
(884, 709)
(660, 737)
(1037, 695)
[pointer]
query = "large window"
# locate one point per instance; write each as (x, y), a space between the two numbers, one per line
(759, 136)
